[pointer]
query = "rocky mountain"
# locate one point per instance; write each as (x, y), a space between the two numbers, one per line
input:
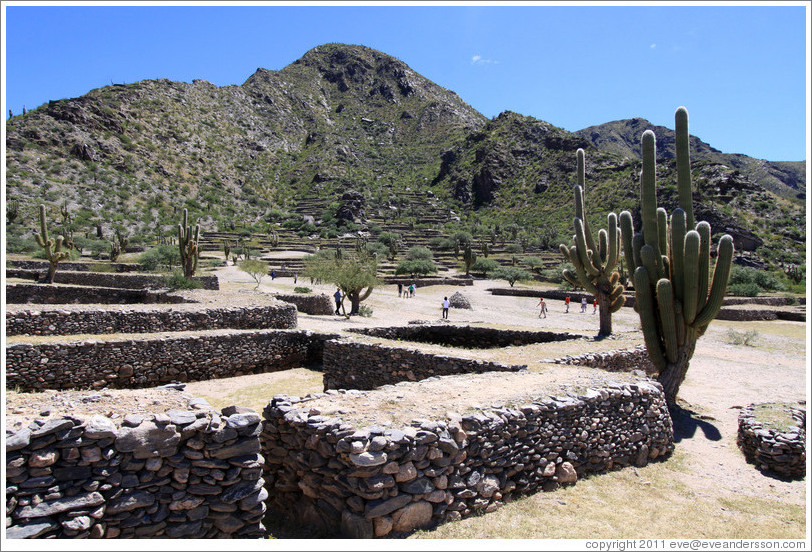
(290, 146)
(786, 179)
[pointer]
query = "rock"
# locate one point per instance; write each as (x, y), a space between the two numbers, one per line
(417, 486)
(53, 507)
(148, 439)
(43, 458)
(18, 440)
(100, 427)
(355, 526)
(239, 491)
(366, 459)
(459, 301)
(128, 502)
(382, 526)
(566, 473)
(487, 486)
(29, 530)
(416, 515)
(382, 507)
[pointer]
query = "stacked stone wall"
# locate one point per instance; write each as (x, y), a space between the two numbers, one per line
(465, 336)
(104, 321)
(137, 363)
(182, 474)
(66, 294)
(74, 265)
(107, 279)
(372, 482)
(309, 304)
(349, 365)
(423, 282)
(624, 360)
(782, 452)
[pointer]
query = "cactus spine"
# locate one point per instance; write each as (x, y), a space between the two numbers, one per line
(187, 244)
(670, 263)
(53, 248)
(595, 262)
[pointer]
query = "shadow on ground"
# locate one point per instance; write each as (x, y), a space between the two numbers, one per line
(686, 422)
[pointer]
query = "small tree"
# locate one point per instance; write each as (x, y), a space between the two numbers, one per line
(469, 258)
(392, 242)
(254, 268)
(512, 274)
(355, 275)
(485, 266)
(419, 260)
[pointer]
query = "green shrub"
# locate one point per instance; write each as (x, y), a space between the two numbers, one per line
(749, 282)
(742, 338)
(159, 256)
(365, 311)
(485, 266)
(512, 274)
(302, 289)
(177, 280)
(744, 289)
(17, 244)
(254, 268)
(416, 267)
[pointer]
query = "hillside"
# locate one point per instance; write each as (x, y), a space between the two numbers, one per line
(348, 138)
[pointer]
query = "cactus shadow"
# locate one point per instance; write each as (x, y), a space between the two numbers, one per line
(686, 422)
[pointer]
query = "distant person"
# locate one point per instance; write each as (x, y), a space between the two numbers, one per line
(295, 277)
(446, 304)
(400, 289)
(594, 306)
(273, 274)
(583, 304)
(337, 296)
(411, 290)
(542, 308)
(567, 304)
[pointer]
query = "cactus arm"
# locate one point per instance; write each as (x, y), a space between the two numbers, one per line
(648, 321)
(648, 261)
(626, 235)
(665, 303)
(721, 274)
(691, 278)
(637, 246)
(617, 303)
(678, 252)
(565, 251)
(613, 252)
(581, 247)
(684, 164)
(43, 226)
(703, 268)
(662, 231)
(603, 249)
(648, 192)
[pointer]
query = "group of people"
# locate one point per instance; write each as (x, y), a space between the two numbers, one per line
(543, 306)
(408, 292)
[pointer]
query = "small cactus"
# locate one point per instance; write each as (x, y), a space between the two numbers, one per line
(187, 244)
(53, 248)
(670, 263)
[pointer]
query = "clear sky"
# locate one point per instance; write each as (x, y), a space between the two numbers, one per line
(740, 70)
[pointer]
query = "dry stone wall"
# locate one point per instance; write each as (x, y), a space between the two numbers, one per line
(74, 265)
(65, 294)
(782, 452)
(180, 474)
(136, 363)
(465, 336)
(309, 304)
(348, 365)
(108, 279)
(102, 321)
(624, 360)
(374, 481)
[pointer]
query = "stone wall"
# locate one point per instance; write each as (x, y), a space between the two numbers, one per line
(624, 360)
(107, 279)
(309, 304)
(182, 474)
(66, 294)
(105, 321)
(152, 361)
(372, 482)
(348, 365)
(423, 282)
(74, 265)
(465, 336)
(782, 452)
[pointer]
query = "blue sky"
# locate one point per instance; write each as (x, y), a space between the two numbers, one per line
(740, 70)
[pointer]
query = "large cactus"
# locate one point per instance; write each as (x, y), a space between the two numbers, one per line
(187, 244)
(670, 262)
(53, 248)
(595, 262)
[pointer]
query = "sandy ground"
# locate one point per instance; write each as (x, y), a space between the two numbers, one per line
(722, 378)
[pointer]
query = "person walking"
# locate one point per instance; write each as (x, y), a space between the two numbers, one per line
(446, 304)
(337, 296)
(567, 304)
(583, 304)
(400, 289)
(594, 305)
(542, 308)
(411, 290)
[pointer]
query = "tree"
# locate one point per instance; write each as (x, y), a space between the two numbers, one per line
(419, 260)
(512, 274)
(392, 242)
(254, 268)
(485, 266)
(354, 274)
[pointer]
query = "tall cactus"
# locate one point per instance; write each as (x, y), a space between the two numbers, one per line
(595, 262)
(670, 262)
(187, 245)
(53, 248)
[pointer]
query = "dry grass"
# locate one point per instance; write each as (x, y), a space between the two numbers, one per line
(648, 502)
